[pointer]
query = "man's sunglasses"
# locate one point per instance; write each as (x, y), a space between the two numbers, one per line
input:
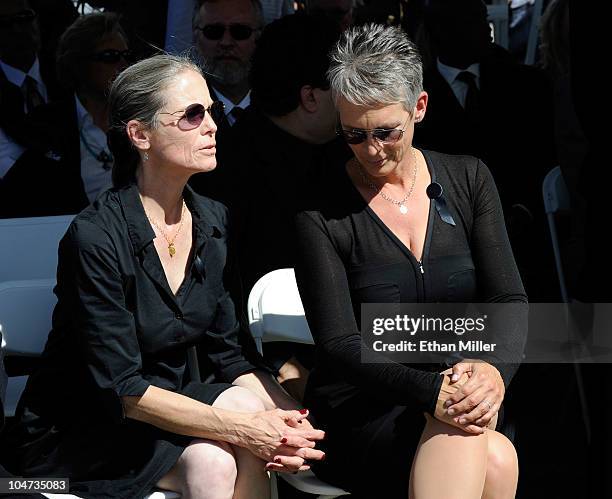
(237, 31)
(193, 115)
(112, 56)
(384, 135)
(22, 17)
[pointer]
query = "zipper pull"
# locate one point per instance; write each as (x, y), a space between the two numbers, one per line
(421, 267)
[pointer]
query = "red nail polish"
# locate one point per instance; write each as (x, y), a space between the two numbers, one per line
(283, 440)
(303, 411)
(277, 460)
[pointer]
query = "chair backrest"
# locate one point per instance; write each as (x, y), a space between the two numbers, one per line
(275, 310)
(26, 308)
(28, 248)
(556, 199)
(554, 190)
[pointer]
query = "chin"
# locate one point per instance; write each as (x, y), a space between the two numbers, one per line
(205, 166)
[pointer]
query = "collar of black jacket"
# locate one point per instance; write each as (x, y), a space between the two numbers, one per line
(140, 230)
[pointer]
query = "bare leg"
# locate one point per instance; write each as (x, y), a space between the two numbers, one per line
(253, 481)
(216, 470)
(292, 376)
(205, 470)
(502, 468)
(448, 463)
(472, 465)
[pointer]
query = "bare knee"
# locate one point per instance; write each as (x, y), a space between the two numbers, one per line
(239, 399)
(209, 469)
(502, 461)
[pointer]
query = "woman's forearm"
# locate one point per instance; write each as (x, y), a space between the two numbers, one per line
(179, 414)
(267, 389)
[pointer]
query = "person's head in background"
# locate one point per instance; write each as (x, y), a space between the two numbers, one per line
(458, 31)
(161, 125)
(339, 11)
(289, 76)
(224, 33)
(19, 34)
(91, 53)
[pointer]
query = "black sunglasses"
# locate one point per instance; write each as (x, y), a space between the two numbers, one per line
(237, 31)
(112, 56)
(193, 115)
(22, 17)
(385, 135)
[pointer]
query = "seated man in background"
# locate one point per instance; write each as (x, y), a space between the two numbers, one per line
(280, 150)
(224, 35)
(68, 162)
(23, 80)
(483, 103)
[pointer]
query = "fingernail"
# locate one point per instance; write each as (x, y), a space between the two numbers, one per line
(323, 457)
(447, 403)
(303, 411)
(462, 421)
(283, 440)
(455, 377)
(277, 460)
(451, 412)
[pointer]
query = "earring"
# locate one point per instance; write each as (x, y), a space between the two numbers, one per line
(146, 156)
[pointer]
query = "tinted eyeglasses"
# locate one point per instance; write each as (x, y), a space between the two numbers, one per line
(21, 17)
(237, 31)
(385, 135)
(193, 115)
(112, 56)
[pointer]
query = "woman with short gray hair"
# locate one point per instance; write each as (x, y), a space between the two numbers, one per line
(115, 406)
(402, 225)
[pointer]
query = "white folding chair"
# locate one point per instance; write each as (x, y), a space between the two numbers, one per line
(557, 200)
(27, 276)
(25, 315)
(276, 314)
(29, 246)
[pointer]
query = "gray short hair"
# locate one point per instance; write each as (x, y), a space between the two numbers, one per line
(376, 65)
(139, 93)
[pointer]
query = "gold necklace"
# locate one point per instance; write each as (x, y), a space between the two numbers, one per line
(171, 248)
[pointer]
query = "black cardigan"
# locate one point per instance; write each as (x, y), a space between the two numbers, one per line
(347, 256)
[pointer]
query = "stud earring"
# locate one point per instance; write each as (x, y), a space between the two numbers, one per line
(146, 156)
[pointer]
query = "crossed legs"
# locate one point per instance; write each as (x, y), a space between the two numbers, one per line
(209, 469)
(452, 464)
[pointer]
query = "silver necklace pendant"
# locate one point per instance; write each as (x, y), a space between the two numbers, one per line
(403, 209)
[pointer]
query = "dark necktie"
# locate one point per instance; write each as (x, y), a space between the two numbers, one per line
(472, 96)
(33, 97)
(237, 112)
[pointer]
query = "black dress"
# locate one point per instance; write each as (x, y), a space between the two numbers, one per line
(117, 329)
(374, 413)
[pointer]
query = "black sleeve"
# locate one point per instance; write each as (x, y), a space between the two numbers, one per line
(228, 343)
(223, 348)
(324, 290)
(105, 329)
(498, 276)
